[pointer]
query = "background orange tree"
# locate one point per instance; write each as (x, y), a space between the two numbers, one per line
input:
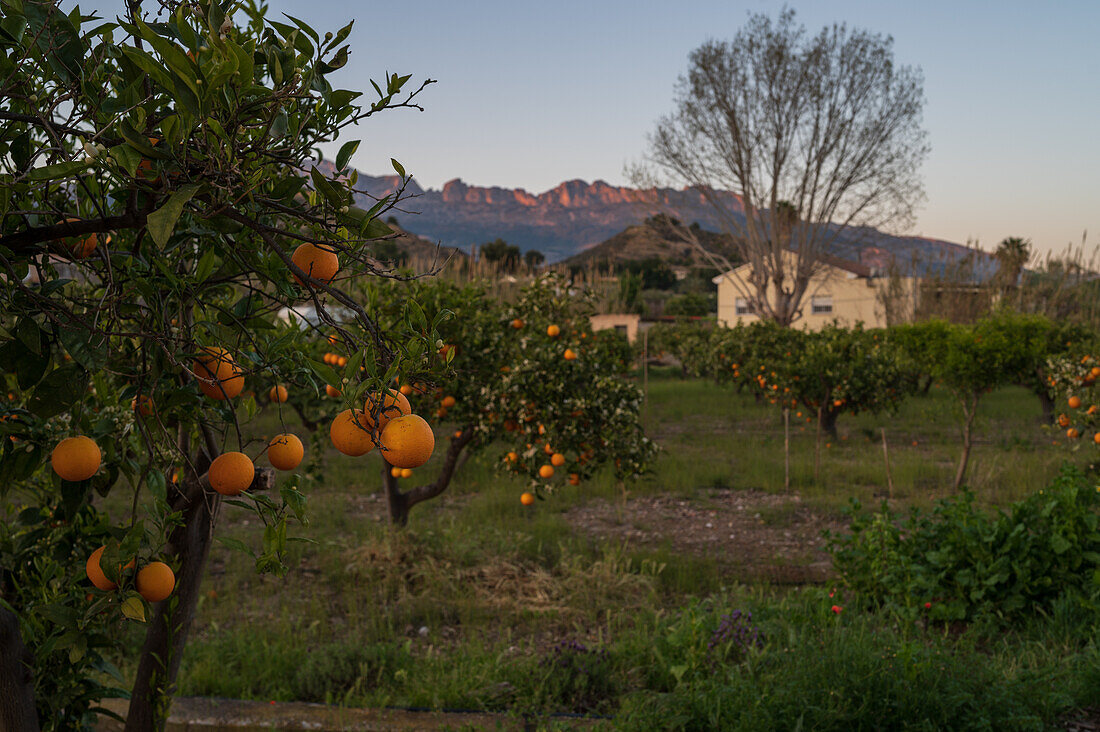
(529, 382)
(166, 245)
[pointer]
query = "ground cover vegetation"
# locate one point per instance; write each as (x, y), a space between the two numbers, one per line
(978, 610)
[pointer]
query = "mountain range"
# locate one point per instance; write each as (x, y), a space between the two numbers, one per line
(575, 216)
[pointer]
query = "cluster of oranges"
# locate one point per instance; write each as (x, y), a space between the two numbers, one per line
(78, 458)
(1086, 378)
(556, 459)
(1064, 420)
(386, 421)
(406, 440)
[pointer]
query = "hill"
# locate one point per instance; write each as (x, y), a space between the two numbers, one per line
(576, 216)
(655, 238)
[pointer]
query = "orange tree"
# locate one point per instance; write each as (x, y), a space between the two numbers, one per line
(1074, 379)
(1037, 340)
(969, 361)
(829, 372)
(689, 342)
(160, 225)
(530, 383)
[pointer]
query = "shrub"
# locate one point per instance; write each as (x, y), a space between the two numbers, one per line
(969, 564)
(578, 678)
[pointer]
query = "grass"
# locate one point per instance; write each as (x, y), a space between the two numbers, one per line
(466, 608)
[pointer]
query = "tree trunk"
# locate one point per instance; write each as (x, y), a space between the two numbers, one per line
(401, 503)
(970, 408)
(1047, 405)
(166, 636)
(17, 712)
(926, 386)
(396, 501)
(827, 422)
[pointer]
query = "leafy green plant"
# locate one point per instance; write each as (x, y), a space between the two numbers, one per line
(961, 563)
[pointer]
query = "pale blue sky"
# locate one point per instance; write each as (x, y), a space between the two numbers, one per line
(531, 94)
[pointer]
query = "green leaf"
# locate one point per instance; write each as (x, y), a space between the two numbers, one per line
(326, 188)
(162, 222)
(398, 167)
(133, 608)
(73, 497)
(57, 171)
(127, 157)
(57, 392)
(237, 544)
(206, 265)
(346, 151)
(30, 335)
(28, 366)
(376, 229)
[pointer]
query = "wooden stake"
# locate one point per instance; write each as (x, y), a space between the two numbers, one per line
(645, 379)
(787, 449)
(886, 458)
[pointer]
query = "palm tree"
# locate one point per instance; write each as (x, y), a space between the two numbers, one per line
(1012, 254)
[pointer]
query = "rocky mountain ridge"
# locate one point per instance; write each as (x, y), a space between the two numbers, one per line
(575, 216)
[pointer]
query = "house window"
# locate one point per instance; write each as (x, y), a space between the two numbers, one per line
(620, 329)
(821, 304)
(744, 307)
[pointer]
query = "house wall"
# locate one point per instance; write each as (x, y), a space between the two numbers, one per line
(607, 321)
(854, 299)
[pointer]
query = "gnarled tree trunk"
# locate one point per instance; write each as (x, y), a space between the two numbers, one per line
(401, 503)
(17, 712)
(172, 618)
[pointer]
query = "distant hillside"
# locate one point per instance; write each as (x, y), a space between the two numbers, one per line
(413, 248)
(576, 216)
(655, 238)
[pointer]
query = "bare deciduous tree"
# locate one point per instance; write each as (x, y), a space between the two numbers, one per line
(815, 135)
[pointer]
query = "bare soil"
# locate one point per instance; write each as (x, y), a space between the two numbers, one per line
(756, 535)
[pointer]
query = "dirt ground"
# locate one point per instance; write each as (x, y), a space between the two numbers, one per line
(758, 536)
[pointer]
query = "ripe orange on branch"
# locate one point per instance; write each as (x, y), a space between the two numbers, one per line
(407, 441)
(95, 572)
(546, 471)
(553, 331)
(76, 458)
(394, 404)
(231, 473)
(350, 433)
(1074, 402)
(219, 376)
(527, 499)
(143, 405)
(285, 451)
(278, 394)
(317, 262)
(570, 354)
(155, 581)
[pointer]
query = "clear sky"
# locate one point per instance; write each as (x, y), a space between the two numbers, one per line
(534, 93)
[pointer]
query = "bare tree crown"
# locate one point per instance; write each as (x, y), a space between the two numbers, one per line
(825, 127)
